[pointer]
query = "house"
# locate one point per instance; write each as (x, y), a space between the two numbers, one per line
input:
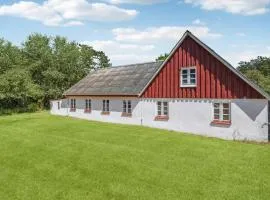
(194, 90)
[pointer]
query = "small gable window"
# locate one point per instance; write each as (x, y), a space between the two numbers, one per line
(188, 77)
(222, 113)
(73, 105)
(162, 111)
(127, 111)
(106, 107)
(88, 105)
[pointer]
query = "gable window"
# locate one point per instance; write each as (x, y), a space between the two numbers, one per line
(127, 111)
(88, 105)
(106, 107)
(162, 111)
(73, 105)
(222, 113)
(188, 77)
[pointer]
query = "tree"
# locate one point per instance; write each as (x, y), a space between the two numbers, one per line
(43, 68)
(162, 57)
(257, 70)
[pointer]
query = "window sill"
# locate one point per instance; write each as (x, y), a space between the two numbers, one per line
(162, 118)
(188, 86)
(87, 111)
(105, 113)
(126, 115)
(72, 110)
(221, 123)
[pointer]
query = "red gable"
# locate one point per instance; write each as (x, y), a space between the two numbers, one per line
(215, 79)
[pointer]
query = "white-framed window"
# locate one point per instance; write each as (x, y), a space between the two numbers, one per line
(127, 106)
(163, 108)
(88, 104)
(73, 104)
(106, 106)
(188, 77)
(222, 111)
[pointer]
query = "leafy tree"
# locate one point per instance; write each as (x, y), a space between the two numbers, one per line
(162, 57)
(43, 68)
(257, 70)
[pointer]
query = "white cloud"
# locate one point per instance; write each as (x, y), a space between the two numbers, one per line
(157, 34)
(124, 53)
(135, 1)
(198, 22)
(74, 23)
(59, 12)
(131, 46)
(241, 34)
(244, 7)
(235, 57)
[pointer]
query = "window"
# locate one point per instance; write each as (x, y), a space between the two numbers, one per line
(222, 112)
(73, 105)
(188, 77)
(162, 111)
(58, 105)
(127, 111)
(88, 105)
(106, 107)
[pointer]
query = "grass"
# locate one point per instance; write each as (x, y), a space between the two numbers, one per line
(49, 157)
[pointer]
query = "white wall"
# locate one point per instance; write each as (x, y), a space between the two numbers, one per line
(185, 115)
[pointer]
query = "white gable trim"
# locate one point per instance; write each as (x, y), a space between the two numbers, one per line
(213, 53)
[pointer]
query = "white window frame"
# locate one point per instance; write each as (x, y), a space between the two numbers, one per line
(127, 108)
(73, 104)
(188, 84)
(221, 109)
(106, 105)
(161, 111)
(88, 104)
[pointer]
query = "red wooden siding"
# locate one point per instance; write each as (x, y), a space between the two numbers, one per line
(214, 80)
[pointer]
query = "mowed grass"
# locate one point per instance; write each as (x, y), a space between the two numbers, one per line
(50, 157)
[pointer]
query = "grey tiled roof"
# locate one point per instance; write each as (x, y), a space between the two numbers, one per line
(122, 80)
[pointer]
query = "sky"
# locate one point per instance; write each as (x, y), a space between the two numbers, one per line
(136, 31)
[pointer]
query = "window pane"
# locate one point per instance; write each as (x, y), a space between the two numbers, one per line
(108, 106)
(226, 111)
(226, 117)
(192, 81)
(192, 76)
(184, 76)
(159, 107)
(124, 106)
(216, 111)
(192, 71)
(216, 105)
(225, 105)
(216, 117)
(129, 106)
(184, 71)
(184, 81)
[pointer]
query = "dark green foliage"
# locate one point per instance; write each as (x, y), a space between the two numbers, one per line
(42, 69)
(257, 70)
(162, 57)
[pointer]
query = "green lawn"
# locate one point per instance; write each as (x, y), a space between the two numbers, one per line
(50, 157)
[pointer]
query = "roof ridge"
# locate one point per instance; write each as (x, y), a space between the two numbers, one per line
(128, 65)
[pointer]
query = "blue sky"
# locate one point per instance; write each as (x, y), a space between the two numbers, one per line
(131, 31)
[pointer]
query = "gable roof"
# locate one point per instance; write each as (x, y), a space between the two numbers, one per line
(213, 53)
(128, 80)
